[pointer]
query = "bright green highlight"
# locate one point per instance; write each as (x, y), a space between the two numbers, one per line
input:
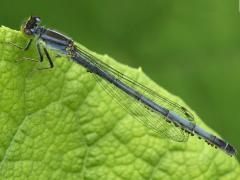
(59, 124)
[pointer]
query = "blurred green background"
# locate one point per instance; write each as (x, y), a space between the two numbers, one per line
(191, 48)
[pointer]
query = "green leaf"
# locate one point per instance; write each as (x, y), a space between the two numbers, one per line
(59, 124)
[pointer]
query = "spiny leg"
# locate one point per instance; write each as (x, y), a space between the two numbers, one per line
(39, 52)
(48, 57)
(22, 48)
(28, 45)
(38, 49)
(41, 57)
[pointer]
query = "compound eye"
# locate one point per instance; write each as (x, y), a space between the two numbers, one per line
(28, 32)
(38, 20)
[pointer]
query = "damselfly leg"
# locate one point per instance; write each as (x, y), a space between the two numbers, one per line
(38, 47)
(42, 58)
(19, 47)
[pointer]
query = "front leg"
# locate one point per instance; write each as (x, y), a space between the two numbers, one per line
(27, 47)
(22, 48)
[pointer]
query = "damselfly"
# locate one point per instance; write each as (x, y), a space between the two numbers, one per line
(165, 117)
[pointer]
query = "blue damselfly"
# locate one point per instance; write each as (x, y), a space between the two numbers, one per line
(160, 114)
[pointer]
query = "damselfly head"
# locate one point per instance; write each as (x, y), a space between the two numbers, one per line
(29, 27)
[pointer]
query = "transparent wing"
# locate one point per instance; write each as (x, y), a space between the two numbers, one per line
(144, 114)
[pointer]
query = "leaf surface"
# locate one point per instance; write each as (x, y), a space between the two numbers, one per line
(59, 124)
